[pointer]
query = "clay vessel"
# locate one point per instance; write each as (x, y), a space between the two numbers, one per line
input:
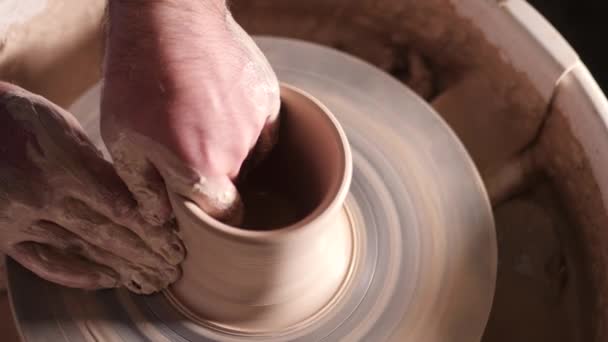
(294, 256)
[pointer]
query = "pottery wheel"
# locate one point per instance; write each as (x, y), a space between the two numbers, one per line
(427, 262)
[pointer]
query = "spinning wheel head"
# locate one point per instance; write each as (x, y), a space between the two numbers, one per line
(419, 258)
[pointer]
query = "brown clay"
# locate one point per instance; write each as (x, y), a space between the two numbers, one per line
(273, 273)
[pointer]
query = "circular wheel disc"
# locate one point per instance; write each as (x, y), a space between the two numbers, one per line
(427, 264)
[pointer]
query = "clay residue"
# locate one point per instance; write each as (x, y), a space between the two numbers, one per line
(64, 212)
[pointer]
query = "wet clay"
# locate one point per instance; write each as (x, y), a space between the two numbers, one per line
(271, 273)
(64, 213)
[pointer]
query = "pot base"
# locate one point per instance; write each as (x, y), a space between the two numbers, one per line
(266, 325)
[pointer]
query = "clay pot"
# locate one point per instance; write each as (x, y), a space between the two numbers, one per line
(281, 271)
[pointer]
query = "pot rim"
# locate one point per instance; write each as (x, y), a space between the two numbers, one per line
(328, 207)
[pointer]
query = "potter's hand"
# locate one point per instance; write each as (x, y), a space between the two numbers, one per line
(64, 212)
(187, 97)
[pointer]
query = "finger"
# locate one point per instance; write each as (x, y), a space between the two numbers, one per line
(162, 240)
(146, 185)
(219, 198)
(77, 217)
(106, 194)
(62, 268)
(268, 138)
(137, 278)
(101, 188)
(140, 175)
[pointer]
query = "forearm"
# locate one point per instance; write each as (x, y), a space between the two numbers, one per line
(155, 31)
(138, 14)
(142, 9)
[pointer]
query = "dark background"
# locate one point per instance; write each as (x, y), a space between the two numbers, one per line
(584, 23)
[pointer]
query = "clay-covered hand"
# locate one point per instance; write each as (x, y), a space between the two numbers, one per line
(188, 97)
(64, 212)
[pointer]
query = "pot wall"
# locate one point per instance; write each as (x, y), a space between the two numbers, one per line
(496, 71)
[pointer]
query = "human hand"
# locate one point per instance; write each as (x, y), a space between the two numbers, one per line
(64, 212)
(187, 98)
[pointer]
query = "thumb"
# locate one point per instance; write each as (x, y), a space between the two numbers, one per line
(218, 197)
(151, 172)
